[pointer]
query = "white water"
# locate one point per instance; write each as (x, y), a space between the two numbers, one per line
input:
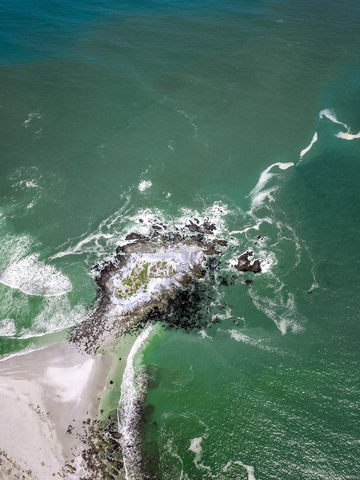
(112, 231)
(308, 148)
(248, 468)
(330, 114)
(347, 135)
(258, 195)
(144, 185)
(128, 412)
(34, 277)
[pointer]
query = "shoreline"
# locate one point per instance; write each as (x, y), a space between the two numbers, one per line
(47, 397)
(65, 407)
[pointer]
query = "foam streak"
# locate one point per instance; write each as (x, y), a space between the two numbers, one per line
(332, 117)
(128, 420)
(258, 194)
(305, 150)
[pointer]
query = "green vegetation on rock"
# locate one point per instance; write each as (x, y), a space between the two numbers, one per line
(140, 276)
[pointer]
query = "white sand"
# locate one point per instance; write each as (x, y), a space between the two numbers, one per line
(41, 394)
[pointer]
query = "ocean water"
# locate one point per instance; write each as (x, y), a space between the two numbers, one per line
(246, 113)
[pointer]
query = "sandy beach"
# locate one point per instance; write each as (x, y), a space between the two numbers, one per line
(46, 398)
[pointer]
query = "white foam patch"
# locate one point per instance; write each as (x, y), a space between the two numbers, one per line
(347, 135)
(267, 260)
(13, 248)
(241, 337)
(56, 315)
(330, 114)
(195, 445)
(35, 278)
(204, 335)
(7, 327)
(69, 382)
(285, 165)
(248, 468)
(308, 148)
(282, 311)
(144, 185)
(343, 135)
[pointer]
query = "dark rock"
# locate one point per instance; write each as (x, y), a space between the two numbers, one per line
(192, 227)
(211, 250)
(134, 236)
(222, 243)
(256, 267)
(206, 227)
(245, 265)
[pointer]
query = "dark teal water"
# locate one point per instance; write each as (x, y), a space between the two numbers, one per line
(111, 112)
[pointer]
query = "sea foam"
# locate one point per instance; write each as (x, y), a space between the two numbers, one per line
(248, 468)
(56, 314)
(129, 411)
(7, 327)
(347, 135)
(330, 114)
(258, 195)
(144, 185)
(34, 277)
(308, 148)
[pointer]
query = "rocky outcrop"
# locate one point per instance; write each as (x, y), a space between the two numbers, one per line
(246, 265)
(207, 227)
(153, 278)
(149, 279)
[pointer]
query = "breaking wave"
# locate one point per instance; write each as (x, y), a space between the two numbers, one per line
(129, 413)
(34, 277)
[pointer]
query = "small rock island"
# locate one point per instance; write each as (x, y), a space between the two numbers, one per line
(146, 280)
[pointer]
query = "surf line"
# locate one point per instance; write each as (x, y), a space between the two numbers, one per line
(129, 411)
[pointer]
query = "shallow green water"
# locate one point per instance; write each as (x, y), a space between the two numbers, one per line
(173, 110)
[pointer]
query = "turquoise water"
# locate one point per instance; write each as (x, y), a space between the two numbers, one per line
(114, 112)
